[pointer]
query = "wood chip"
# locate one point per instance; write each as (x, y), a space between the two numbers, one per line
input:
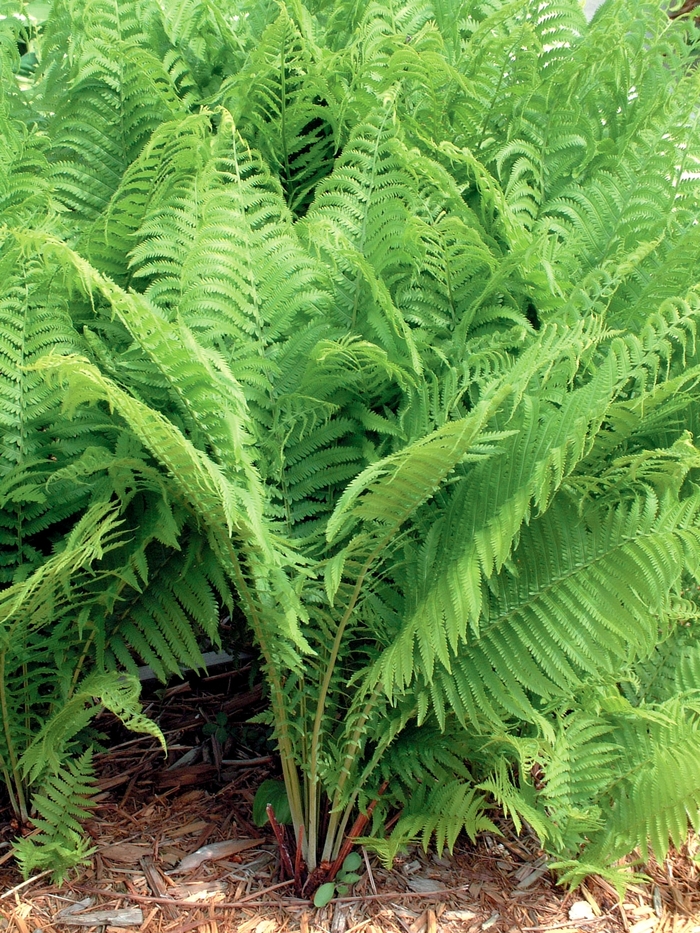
(425, 885)
(190, 774)
(194, 826)
(645, 926)
(126, 917)
(199, 891)
(248, 925)
(266, 926)
(128, 853)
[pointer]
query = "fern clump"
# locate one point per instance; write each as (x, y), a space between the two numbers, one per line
(380, 323)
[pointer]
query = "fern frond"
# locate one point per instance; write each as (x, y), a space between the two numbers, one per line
(391, 490)
(155, 621)
(619, 577)
(657, 792)
(444, 811)
(116, 692)
(283, 106)
(111, 71)
(35, 440)
(62, 804)
(358, 221)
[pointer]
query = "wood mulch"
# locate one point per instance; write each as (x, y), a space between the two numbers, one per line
(151, 813)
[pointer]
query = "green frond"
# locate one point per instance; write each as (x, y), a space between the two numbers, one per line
(35, 439)
(155, 621)
(202, 385)
(210, 40)
(176, 150)
(201, 480)
(229, 261)
(489, 507)
(673, 668)
(442, 812)
(283, 106)
(576, 773)
(32, 601)
(358, 222)
(105, 98)
(573, 602)
(656, 794)
(391, 490)
(62, 805)
(116, 692)
(516, 802)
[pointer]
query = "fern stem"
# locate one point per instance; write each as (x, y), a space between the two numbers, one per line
(7, 778)
(279, 711)
(14, 764)
(321, 705)
(336, 825)
(79, 666)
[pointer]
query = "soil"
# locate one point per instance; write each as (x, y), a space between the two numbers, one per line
(152, 812)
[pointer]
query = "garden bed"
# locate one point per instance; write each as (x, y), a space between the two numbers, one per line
(151, 813)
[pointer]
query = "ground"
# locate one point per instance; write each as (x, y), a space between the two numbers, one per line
(152, 812)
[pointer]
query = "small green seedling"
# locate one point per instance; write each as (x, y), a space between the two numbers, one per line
(346, 877)
(218, 728)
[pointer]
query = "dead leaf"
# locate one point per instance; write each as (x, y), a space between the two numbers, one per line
(214, 851)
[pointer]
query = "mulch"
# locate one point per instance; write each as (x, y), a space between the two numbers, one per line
(152, 812)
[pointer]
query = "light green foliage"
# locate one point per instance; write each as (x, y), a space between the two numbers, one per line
(346, 877)
(379, 321)
(62, 804)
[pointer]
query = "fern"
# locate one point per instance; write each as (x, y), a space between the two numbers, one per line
(282, 103)
(439, 814)
(62, 804)
(380, 323)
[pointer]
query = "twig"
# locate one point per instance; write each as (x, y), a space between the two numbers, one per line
(369, 871)
(23, 884)
(359, 926)
(623, 915)
(460, 889)
(246, 762)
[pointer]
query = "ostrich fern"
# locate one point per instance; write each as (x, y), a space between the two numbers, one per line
(378, 321)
